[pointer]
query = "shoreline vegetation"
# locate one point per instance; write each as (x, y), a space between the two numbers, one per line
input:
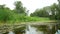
(20, 14)
(28, 20)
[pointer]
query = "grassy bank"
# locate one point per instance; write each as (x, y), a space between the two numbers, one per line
(19, 19)
(28, 19)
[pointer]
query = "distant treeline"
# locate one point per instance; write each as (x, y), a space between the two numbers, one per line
(53, 12)
(19, 13)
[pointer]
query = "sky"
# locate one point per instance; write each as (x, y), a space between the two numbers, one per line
(30, 5)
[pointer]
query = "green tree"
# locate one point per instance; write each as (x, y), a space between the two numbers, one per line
(4, 15)
(48, 11)
(58, 9)
(54, 11)
(40, 13)
(19, 7)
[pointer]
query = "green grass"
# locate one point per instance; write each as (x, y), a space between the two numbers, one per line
(25, 19)
(20, 18)
(29, 19)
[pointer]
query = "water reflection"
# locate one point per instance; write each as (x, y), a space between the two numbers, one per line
(40, 32)
(33, 29)
(20, 30)
(11, 32)
(30, 30)
(57, 32)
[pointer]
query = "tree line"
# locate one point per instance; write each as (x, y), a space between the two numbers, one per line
(52, 12)
(19, 12)
(7, 14)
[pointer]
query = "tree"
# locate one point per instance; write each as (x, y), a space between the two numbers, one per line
(40, 13)
(58, 9)
(49, 11)
(19, 7)
(54, 11)
(4, 15)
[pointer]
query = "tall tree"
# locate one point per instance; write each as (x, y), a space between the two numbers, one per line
(54, 11)
(4, 13)
(19, 7)
(58, 8)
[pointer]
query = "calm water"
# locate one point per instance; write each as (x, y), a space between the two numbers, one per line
(31, 30)
(11, 32)
(57, 32)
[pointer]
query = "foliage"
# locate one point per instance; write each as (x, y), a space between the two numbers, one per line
(54, 11)
(4, 14)
(21, 18)
(58, 10)
(40, 13)
(49, 11)
(19, 15)
(19, 7)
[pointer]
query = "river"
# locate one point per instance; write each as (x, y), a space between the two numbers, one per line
(29, 29)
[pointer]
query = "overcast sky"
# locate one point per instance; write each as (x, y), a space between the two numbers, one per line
(31, 5)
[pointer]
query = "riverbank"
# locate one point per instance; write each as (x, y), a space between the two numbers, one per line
(19, 23)
(8, 26)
